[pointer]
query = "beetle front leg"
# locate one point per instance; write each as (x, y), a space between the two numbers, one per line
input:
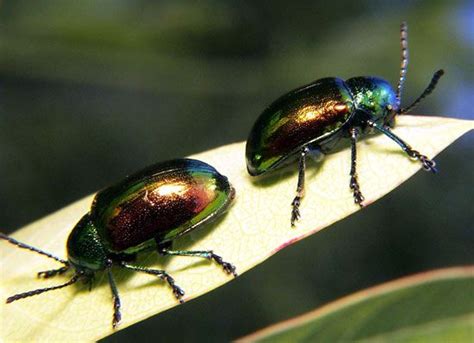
(354, 183)
(116, 298)
(53, 272)
(428, 165)
(207, 254)
(295, 213)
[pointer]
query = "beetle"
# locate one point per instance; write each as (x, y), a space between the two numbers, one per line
(145, 211)
(312, 119)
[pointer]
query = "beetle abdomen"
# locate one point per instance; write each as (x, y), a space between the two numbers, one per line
(307, 114)
(162, 201)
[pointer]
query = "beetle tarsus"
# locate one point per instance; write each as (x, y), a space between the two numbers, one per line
(428, 165)
(53, 272)
(229, 268)
(177, 291)
(358, 197)
(295, 212)
(117, 315)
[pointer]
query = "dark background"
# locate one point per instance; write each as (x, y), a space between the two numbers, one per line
(93, 90)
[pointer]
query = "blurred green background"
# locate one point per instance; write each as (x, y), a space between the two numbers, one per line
(93, 90)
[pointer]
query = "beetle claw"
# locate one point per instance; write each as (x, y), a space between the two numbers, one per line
(428, 165)
(229, 268)
(356, 193)
(177, 291)
(295, 213)
(116, 319)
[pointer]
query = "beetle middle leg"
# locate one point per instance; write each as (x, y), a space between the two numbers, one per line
(177, 291)
(428, 165)
(354, 183)
(207, 254)
(295, 212)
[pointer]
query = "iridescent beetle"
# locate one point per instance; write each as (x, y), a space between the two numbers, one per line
(145, 211)
(313, 118)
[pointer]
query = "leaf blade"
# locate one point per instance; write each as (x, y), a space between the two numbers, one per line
(256, 227)
(432, 304)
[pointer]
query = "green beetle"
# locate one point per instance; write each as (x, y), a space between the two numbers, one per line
(145, 211)
(313, 118)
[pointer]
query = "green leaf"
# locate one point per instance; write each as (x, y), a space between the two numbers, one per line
(436, 306)
(256, 227)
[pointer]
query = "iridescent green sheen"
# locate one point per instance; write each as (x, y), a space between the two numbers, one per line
(151, 207)
(84, 246)
(146, 210)
(307, 115)
(373, 95)
(316, 116)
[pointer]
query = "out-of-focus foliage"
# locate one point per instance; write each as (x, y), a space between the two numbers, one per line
(435, 306)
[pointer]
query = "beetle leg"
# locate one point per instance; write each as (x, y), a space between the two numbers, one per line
(295, 213)
(177, 291)
(208, 254)
(115, 295)
(90, 281)
(354, 184)
(53, 272)
(428, 165)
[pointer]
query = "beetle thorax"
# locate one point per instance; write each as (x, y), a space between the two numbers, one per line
(374, 98)
(85, 249)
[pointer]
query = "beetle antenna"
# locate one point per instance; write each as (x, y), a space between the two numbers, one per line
(29, 247)
(426, 92)
(404, 62)
(19, 296)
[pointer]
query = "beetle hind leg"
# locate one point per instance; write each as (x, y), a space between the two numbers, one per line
(354, 183)
(295, 204)
(229, 268)
(177, 291)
